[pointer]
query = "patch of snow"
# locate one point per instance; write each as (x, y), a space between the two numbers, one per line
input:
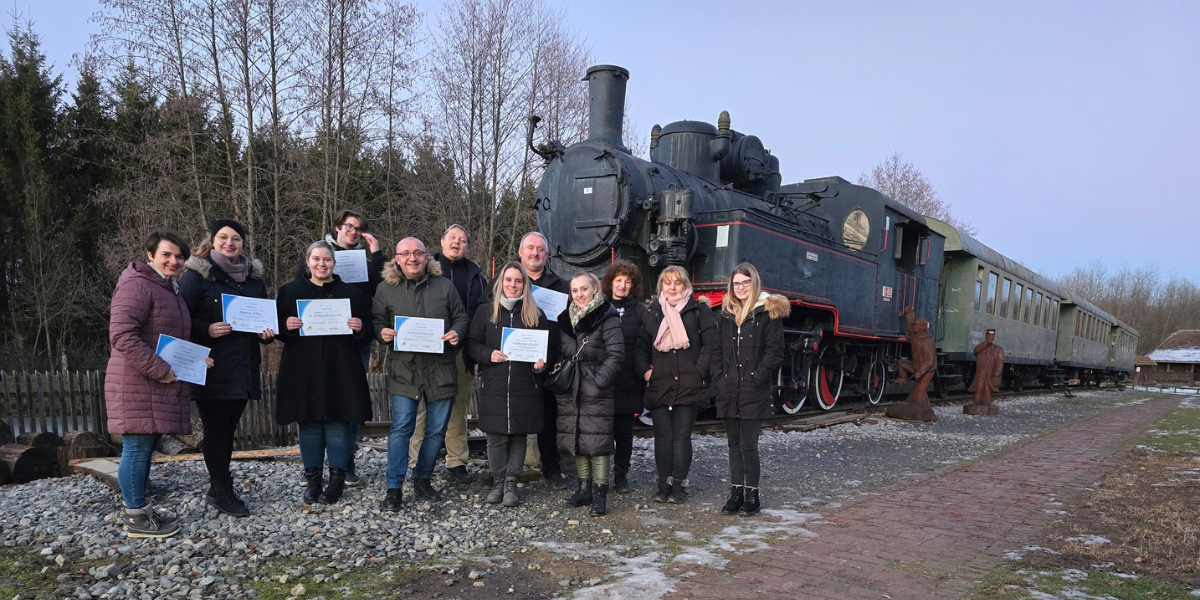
(639, 578)
(1126, 575)
(1089, 540)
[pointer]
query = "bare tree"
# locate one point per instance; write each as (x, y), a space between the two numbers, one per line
(906, 184)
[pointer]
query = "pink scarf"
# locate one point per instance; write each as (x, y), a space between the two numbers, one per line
(671, 334)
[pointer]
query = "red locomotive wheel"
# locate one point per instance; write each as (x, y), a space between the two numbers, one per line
(828, 385)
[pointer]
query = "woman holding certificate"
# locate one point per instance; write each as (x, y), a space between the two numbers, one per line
(509, 340)
(142, 394)
(590, 332)
(751, 332)
(322, 382)
(220, 276)
(677, 353)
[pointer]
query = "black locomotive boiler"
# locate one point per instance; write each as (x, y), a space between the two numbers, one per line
(847, 257)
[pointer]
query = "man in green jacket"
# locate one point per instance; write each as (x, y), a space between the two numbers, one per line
(412, 287)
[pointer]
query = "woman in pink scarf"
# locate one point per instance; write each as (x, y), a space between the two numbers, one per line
(677, 353)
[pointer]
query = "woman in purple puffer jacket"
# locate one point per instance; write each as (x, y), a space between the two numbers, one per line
(143, 398)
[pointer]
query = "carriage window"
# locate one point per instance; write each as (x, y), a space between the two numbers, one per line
(978, 287)
(1046, 312)
(1028, 305)
(991, 293)
(1005, 290)
(1016, 301)
(1037, 310)
(1054, 314)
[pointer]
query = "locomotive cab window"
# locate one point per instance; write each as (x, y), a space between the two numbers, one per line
(908, 245)
(856, 229)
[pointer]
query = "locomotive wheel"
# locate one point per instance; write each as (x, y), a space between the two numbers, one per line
(876, 382)
(793, 403)
(828, 385)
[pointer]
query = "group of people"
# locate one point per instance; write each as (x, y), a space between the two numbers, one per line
(617, 355)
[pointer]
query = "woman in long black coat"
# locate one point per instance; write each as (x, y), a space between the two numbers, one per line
(590, 330)
(220, 267)
(752, 349)
(622, 284)
(510, 394)
(322, 383)
(677, 353)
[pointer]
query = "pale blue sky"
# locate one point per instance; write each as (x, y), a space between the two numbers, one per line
(1064, 131)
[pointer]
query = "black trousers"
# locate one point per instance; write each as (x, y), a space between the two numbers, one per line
(673, 440)
(220, 419)
(623, 437)
(547, 440)
(744, 463)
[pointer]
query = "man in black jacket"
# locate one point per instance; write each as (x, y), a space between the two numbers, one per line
(535, 254)
(470, 284)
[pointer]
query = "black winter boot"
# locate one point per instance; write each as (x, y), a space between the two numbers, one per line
(599, 500)
(737, 495)
(750, 506)
(425, 491)
(392, 501)
(582, 496)
(312, 486)
(678, 493)
(664, 490)
(337, 484)
(221, 495)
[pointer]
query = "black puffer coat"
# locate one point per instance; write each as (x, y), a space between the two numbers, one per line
(510, 395)
(750, 356)
(236, 357)
(680, 377)
(630, 383)
(321, 378)
(585, 423)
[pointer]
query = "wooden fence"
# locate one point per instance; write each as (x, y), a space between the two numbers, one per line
(74, 401)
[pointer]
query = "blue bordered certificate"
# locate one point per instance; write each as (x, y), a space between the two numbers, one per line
(524, 345)
(186, 359)
(252, 315)
(418, 334)
(350, 265)
(328, 316)
(551, 302)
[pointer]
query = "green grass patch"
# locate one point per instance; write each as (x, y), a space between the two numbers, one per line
(277, 579)
(1177, 432)
(1015, 581)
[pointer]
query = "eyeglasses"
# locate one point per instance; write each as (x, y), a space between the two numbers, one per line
(348, 228)
(416, 253)
(741, 284)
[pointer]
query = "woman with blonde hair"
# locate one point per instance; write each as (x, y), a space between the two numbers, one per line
(510, 397)
(752, 350)
(590, 331)
(677, 354)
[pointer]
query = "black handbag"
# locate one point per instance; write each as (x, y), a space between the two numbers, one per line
(561, 379)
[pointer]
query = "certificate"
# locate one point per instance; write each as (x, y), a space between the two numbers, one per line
(416, 334)
(253, 315)
(551, 302)
(350, 265)
(324, 317)
(186, 359)
(524, 345)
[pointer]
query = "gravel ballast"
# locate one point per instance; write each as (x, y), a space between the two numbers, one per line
(70, 526)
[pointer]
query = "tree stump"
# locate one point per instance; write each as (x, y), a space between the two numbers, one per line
(81, 444)
(28, 463)
(40, 439)
(5, 473)
(6, 436)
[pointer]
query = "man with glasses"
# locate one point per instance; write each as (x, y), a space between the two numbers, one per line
(470, 283)
(413, 287)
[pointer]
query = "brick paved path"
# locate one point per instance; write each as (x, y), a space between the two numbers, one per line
(962, 520)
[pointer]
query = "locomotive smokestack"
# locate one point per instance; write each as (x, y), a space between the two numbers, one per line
(606, 103)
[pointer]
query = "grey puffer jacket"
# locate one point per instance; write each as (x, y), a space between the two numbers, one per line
(585, 423)
(145, 305)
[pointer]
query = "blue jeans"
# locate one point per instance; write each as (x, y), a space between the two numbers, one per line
(319, 437)
(404, 420)
(134, 469)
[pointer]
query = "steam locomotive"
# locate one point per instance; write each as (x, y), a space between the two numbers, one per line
(847, 257)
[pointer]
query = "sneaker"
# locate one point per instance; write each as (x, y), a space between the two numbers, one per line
(224, 499)
(678, 493)
(143, 523)
(459, 474)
